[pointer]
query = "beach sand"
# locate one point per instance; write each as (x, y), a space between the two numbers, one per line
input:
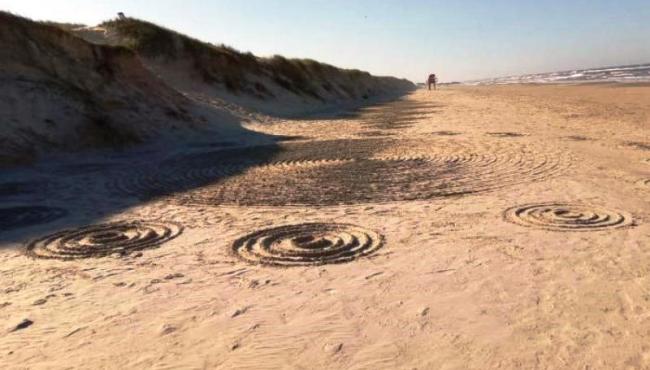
(505, 226)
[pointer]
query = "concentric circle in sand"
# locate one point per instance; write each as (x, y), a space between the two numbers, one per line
(104, 239)
(567, 217)
(307, 244)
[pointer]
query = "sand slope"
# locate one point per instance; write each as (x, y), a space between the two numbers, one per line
(458, 281)
(275, 86)
(61, 93)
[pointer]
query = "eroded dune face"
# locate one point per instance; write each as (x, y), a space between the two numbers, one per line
(59, 91)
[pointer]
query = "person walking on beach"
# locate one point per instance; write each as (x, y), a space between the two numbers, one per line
(432, 81)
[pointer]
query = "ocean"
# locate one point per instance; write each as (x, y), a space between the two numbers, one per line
(628, 73)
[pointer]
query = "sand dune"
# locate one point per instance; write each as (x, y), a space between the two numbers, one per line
(61, 93)
(67, 88)
(277, 86)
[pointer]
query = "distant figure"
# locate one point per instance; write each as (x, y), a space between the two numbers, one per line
(432, 81)
(121, 15)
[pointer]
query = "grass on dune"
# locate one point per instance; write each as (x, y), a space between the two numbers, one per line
(228, 66)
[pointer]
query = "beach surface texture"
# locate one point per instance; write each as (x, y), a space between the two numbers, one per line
(469, 227)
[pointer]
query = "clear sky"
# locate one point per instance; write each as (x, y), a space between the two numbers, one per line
(458, 40)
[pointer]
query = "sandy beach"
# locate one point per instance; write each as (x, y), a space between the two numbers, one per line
(470, 227)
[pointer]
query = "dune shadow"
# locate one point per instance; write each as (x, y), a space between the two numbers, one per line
(76, 190)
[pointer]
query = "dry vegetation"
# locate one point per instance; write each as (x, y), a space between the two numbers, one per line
(64, 26)
(227, 66)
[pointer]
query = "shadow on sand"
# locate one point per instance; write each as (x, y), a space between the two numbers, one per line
(76, 190)
(68, 191)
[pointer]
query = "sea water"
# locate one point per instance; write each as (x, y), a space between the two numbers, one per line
(629, 73)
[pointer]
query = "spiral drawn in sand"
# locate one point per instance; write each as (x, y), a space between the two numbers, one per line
(146, 183)
(307, 244)
(24, 216)
(196, 170)
(299, 164)
(403, 158)
(395, 116)
(104, 239)
(380, 170)
(567, 217)
(345, 171)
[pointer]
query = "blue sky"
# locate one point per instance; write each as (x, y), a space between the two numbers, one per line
(459, 40)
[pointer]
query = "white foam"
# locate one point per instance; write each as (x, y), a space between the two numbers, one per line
(614, 74)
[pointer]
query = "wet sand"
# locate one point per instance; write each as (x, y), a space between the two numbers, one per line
(471, 227)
